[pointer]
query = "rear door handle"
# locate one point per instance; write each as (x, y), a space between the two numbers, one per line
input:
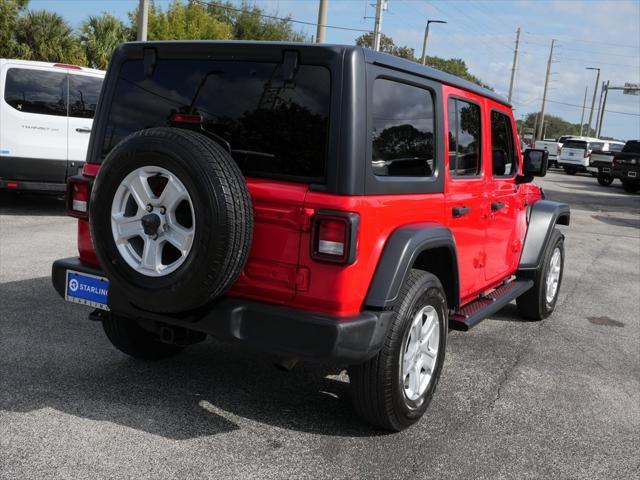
(495, 206)
(457, 212)
(83, 130)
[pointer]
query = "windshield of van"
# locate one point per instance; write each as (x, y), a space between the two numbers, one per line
(616, 147)
(275, 127)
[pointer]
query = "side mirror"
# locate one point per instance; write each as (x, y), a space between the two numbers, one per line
(535, 162)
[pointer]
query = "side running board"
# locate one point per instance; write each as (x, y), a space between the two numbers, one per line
(473, 313)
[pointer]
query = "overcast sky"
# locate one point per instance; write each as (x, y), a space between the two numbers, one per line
(603, 34)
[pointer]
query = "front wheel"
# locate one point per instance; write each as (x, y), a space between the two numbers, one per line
(540, 301)
(393, 389)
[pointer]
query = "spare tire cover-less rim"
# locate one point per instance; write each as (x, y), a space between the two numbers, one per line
(198, 217)
(152, 221)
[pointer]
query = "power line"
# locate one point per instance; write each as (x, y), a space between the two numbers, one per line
(274, 17)
(608, 111)
(581, 40)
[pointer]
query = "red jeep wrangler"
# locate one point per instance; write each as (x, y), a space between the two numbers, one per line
(325, 203)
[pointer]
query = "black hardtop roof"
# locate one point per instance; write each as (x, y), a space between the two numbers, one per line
(370, 56)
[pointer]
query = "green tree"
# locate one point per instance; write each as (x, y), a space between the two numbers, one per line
(101, 34)
(46, 36)
(387, 45)
(454, 66)
(183, 21)
(555, 127)
(10, 11)
(250, 23)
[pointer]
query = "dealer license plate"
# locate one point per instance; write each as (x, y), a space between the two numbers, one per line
(87, 289)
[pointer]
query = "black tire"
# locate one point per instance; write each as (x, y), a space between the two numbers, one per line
(129, 337)
(533, 304)
(570, 170)
(377, 385)
(631, 186)
(222, 209)
(604, 179)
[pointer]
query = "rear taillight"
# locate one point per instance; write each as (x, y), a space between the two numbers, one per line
(186, 118)
(78, 194)
(587, 154)
(334, 237)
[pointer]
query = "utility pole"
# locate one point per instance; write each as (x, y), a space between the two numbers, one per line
(604, 103)
(584, 105)
(515, 64)
(544, 93)
(426, 37)
(599, 105)
(143, 19)
(381, 5)
(593, 100)
(322, 21)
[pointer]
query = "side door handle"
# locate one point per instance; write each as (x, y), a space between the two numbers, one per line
(458, 212)
(83, 130)
(495, 206)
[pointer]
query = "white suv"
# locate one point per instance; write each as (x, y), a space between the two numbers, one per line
(46, 114)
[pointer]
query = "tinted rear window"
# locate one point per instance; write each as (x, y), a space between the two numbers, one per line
(274, 128)
(575, 144)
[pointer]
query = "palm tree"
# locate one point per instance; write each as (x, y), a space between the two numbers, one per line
(101, 34)
(46, 36)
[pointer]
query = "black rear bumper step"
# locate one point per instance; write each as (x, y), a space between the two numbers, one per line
(473, 313)
(285, 331)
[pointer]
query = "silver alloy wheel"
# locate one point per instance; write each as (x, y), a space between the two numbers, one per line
(420, 352)
(153, 221)
(553, 275)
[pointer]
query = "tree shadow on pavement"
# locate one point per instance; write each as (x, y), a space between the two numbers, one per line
(51, 356)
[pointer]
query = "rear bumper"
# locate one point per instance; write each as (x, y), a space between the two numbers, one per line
(580, 162)
(32, 186)
(280, 330)
(626, 172)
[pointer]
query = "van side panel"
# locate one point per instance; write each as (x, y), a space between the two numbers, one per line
(33, 145)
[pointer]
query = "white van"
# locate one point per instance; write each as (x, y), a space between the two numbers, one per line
(46, 113)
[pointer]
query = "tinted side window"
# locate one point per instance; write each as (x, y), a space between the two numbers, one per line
(274, 127)
(36, 91)
(502, 151)
(464, 138)
(403, 125)
(83, 95)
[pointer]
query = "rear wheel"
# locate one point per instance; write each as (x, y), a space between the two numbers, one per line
(394, 388)
(631, 186)
(540, 301)
(604, 179)
(570, 170)
(129, 336)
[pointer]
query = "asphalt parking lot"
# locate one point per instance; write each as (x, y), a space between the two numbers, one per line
(558, 398)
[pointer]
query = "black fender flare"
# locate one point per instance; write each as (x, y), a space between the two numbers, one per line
(543, 217)
(400, 252)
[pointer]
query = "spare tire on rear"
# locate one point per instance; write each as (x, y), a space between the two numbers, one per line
(171, 219)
